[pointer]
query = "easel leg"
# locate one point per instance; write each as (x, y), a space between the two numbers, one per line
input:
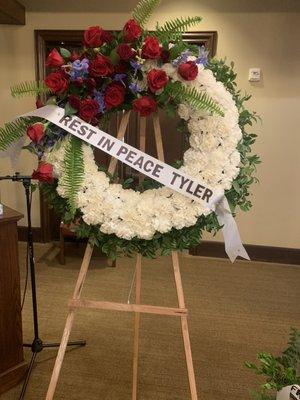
(184, 327)
(138, 278)
(69, 323)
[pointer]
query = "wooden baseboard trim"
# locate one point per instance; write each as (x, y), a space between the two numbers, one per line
(22, 234)
(13, 376)
(281, 255)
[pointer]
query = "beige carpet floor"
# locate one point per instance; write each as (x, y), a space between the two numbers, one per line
(235, 311)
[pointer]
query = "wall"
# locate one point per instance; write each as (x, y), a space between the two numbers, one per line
(250, 33)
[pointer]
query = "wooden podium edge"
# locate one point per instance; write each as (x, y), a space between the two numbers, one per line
(12, 376)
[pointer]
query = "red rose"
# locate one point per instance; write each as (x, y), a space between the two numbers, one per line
(157, 79)
(144, 105)
(188, 70)
(114, 95)
(121, 68)
(44, 173)
(107, 36)
(131, 31)
(36, 132)
(54, 59)
(100, 66)
(74, 101)
(165, 56)
(74, 56)
(93, 36)
(57, 82)
(151, 48)
(125, 51)
(88, 109)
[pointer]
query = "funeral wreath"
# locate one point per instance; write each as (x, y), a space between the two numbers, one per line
(143, 71)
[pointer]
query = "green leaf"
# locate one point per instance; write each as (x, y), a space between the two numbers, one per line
(144, 10)
(73, 171)
(69, 110)
(13, 131)
(173, 30)
(32, 88)
(65, 52)
(180, 93)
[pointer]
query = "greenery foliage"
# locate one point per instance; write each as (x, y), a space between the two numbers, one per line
(180, 93)
(143, 10)
(239, 194)
(173, 30)
(279, 371)
(73, 171)
(32, 88)
(12, 131)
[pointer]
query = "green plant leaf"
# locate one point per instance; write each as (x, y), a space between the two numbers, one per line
(180, 93)
(32, 88)
(144, 10)
(13, 131)
(65, 52)
(73, 171)
(173, 30)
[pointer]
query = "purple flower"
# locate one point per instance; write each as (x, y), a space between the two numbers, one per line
(136, 66)
(182, 58)
(135, 88)
(79, 68)
(99, 97)
(119, 78)
(202, 56)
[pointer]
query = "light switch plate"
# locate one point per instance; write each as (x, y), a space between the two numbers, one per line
(254, 74)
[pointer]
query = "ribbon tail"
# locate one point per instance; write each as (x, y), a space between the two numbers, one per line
(233, 243)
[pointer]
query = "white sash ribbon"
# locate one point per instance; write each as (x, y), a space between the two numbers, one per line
(155, 169)
(289, 393)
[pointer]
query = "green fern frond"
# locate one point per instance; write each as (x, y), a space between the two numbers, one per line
(73, 171)
(173, 30)
(32, 88)
(13, 131)
(143, 10)
(195, 99)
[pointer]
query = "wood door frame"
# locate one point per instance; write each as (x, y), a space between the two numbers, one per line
(44, 38)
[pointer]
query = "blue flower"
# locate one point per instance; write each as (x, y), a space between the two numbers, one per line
(99, 97)
(119, 78)
(135, 88)
(79, 68)
(136, 66)
(202, 56)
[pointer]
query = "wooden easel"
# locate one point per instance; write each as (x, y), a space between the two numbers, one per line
(77, 302)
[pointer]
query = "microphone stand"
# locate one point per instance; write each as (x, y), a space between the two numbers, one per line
(37, 344)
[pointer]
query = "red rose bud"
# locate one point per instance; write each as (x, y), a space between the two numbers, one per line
(74, 101)
(74, 56)
(36, 132)
(151, 48)
(93, 37)
(157, 79)
(107, 37)
(100, 66)
(39, 103)
(54, 59)
(44, 173)
(114, 95)
(188, 70)
(57, 82)
(125, 51)
(165, 56)
(88, 109)
(145, 106)
(131, 31)
(121, 68)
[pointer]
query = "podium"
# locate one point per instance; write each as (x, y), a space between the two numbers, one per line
(12, 365)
